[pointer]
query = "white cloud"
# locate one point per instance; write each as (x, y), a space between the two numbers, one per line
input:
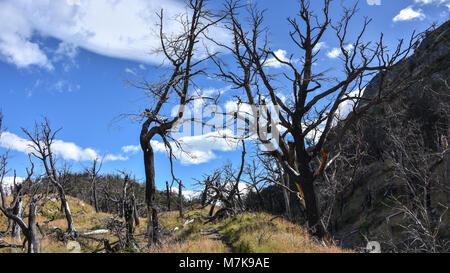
(66, 52)
(436, 2)
(74, 2)
(319, 46)
(130, 71)
(8, 182)
(61, 86)
(111, 157)
(115, 28)
(272, 62)
(66, 49)
(188, 194)
(16, 46)
(131, 149)
(336, 52)
(409, 13)
(199, 149)
(347, 106)
(66, 150)
(374, 2)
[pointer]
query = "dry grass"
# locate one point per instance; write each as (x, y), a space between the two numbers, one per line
(197, 245)
(249, 232)
(261, 233)
(85, 218)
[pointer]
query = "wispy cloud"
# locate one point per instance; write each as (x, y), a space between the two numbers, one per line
(273, 62)
(66, 150)
(374, 2)
(319, 46)
(434, 2)
(58, 86)
(130, 149)
(336, 52)
(130, 71)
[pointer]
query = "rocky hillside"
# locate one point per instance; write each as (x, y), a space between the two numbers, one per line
(397, 189)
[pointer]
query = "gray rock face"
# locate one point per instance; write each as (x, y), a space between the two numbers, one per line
(364, 211)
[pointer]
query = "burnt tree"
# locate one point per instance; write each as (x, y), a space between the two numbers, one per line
(178, 50)
(311, 113)
(41, 143)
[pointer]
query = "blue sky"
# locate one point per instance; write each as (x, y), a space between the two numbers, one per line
(68, 60)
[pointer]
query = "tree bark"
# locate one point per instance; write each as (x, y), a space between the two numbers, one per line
(150, 190)
(285, 181)
(33, 240)
(211, 210)
(129, 219)
(94, 195)
(15, 227)
(180, 196)
(70, 225)
(168, 195)
(309, 196)
(204, 195)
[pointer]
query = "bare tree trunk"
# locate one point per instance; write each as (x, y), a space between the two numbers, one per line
(261, 200)
(15, 227)
(310, 201)
(94, 195)
(204, 195)
(285, 181)
(124, 197)
(180, 198)
(211, 210)
(33, 240)
(150, 190)
(129, 219)
(168, 195)
(65, 205)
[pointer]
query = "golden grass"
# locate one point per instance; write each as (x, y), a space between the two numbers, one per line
(197, 245)
(262, 233)
(249, 232)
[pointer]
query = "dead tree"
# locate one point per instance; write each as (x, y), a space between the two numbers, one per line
(131, 220)
(168, 191)
(3, 172)
(179, 50)
(29, 230)
(180, 198)
(272, 173)
(223, 186)
(256, 179)
(17, 209)
(204, 196)
(42, 139)
(93, 173)
(122, 197)
(308, 118)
